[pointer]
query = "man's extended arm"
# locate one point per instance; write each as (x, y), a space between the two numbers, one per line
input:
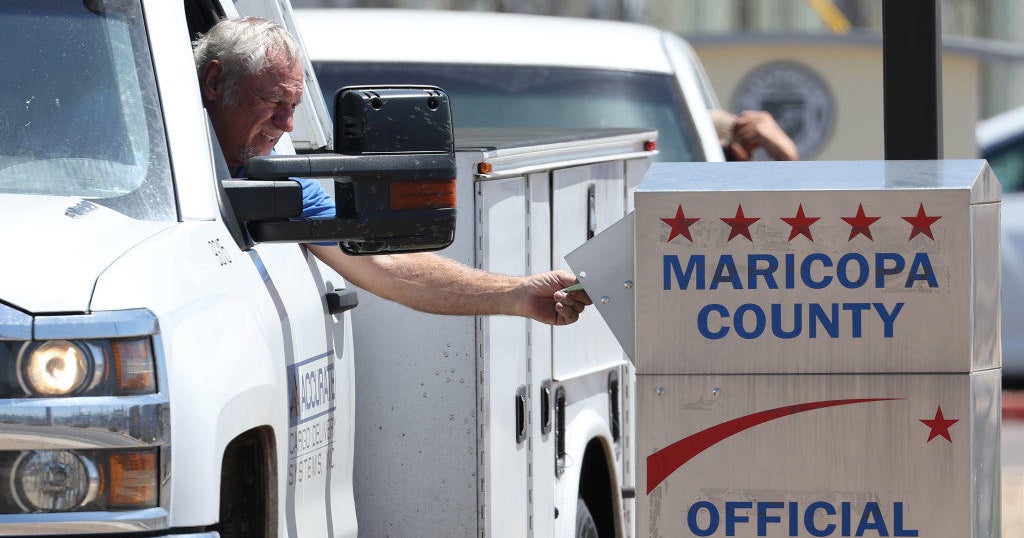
(434, 284)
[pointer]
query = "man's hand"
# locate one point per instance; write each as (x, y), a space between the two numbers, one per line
(757, 129)
(545, 302)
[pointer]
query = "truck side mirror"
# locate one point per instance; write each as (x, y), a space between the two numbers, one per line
(393, 170)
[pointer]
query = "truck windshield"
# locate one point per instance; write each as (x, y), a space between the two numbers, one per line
(531, 96)
(79, 110)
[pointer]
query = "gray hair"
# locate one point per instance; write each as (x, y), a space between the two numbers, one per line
(243, 47)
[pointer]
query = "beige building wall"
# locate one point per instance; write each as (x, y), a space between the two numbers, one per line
(852, 73)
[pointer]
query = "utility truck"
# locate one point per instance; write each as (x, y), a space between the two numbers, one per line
(174, 362)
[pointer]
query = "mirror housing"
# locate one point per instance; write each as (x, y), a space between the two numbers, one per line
(393, 171)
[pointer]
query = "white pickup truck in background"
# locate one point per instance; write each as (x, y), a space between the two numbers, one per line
(516, 70)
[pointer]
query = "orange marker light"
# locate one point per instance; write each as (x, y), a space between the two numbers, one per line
(426, 194)
(133, 363)
(484, 168)
(133, 479)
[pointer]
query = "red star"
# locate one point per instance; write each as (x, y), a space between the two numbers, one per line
(680, 225)
(922, 223)
(939, 426)
(740, 225)
(800, 224)
(861, 224)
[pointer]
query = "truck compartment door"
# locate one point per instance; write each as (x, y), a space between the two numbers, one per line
(585, 199)
(504, 364)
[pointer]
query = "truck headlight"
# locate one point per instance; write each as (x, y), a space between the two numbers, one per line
(79, 480)
(51, 368)
(54, 480)
(55, 368)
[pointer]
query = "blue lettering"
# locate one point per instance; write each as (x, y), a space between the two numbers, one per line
(881, 271)
(843, 270)
(871, 519)
(732, 518)
(809, 519)
(726, 273)
(691, 518)
(768, 273)
(790, 271)
(702, 321)
(897, 521)
(855, 309)
(805, 271)
(816, 316)
(763, 519)
(750, 320)
(888, 318)
(921, 269)
(798, 318)
(740, 326)
(694, 265)
(820, 518)
(852, 270)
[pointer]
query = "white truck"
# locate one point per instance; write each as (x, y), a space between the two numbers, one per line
(519, 70)
(174, 362)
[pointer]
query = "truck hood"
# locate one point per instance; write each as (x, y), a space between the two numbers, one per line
(54, 248)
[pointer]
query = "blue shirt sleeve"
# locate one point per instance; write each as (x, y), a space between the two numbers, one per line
(316, 204)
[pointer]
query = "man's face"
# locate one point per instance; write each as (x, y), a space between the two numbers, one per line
(250, 119)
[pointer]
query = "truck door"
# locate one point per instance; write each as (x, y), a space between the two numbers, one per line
(315, 479)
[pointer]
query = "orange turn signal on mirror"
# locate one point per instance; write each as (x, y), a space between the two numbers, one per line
(425, 194)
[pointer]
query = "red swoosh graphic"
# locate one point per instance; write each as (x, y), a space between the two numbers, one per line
(665, 461)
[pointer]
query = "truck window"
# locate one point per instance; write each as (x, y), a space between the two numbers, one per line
(79, 110)
(532, 96)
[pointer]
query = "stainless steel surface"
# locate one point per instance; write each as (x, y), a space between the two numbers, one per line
(525, 159)
(873, 451)
(607, 262)
(761, 411)
(809, 176)
(826, 296)
(986, 467)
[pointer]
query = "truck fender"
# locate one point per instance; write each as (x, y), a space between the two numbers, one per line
(584, 427)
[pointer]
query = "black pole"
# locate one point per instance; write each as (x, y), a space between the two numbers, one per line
(912, 78)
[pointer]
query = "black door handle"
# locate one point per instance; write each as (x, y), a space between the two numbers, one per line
(341, 300)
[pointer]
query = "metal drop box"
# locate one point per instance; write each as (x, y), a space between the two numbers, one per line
(816, 346)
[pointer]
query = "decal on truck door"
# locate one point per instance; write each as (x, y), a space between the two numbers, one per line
(311, 403)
